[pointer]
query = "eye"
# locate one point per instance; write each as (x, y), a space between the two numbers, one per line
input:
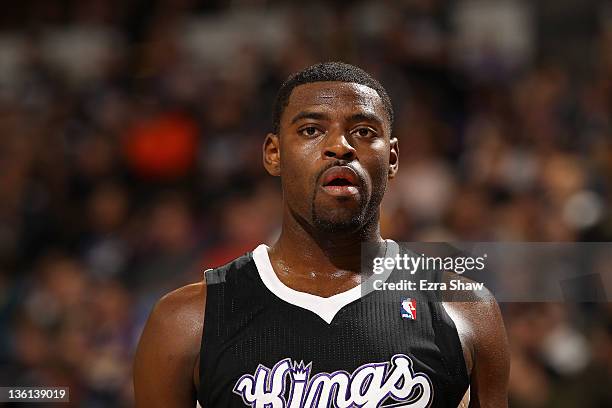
(364, 132)
(310, 131)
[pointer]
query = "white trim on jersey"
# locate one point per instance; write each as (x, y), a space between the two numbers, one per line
(325, 307)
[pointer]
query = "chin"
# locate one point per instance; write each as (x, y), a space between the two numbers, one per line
(338, 222)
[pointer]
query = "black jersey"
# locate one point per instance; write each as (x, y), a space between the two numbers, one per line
(266, 345)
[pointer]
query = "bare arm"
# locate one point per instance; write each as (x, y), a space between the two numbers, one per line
(489, 379)
(485, 345)
(165, 371)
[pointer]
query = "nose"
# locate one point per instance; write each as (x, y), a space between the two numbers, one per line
(338, 147)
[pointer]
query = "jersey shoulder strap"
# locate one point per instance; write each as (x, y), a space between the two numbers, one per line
(219, 274)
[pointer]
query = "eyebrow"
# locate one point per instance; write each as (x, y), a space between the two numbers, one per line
(366, 117)
(309, 115)
(358, 117)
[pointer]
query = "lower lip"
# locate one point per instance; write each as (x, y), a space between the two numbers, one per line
(341, 191)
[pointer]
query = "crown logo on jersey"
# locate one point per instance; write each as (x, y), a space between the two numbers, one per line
(300, 372)
(408, 310)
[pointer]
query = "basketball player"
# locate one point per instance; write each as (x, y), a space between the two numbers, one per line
(289, 325)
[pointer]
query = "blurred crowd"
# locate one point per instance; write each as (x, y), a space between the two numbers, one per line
(130, 145)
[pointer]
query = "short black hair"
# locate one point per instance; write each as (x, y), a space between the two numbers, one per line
(327, 72)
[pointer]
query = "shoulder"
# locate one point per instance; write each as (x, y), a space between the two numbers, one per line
(471, 298)
(181, 308)
(169, 347)
(480, 325)
(178, 318)
(475, 312)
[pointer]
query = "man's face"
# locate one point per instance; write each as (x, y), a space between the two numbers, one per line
(334, 153)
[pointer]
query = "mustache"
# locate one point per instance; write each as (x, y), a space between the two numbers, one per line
(342, 163)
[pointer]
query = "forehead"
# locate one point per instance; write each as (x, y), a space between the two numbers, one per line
(336, 96)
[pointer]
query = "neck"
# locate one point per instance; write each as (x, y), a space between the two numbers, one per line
(302, 250)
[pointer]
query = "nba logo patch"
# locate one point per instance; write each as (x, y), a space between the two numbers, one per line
(409, 310)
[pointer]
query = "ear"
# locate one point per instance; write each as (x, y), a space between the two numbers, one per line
(393, 157)
(271, 154)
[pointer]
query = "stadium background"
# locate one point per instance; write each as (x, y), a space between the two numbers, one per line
(130, 139)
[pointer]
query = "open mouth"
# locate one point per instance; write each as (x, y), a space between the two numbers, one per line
(340, 181)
